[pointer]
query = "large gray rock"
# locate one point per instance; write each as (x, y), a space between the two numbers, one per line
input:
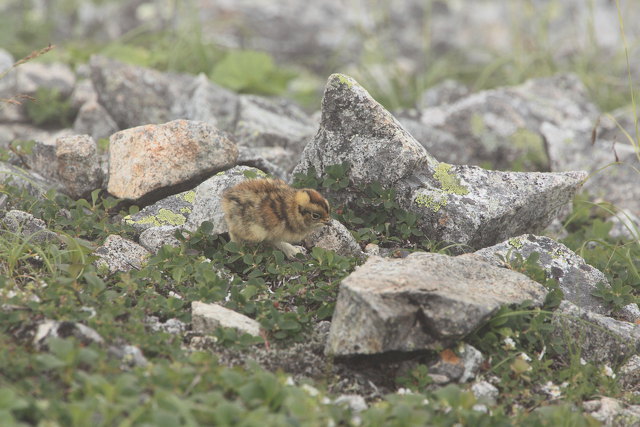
(263, 122)
(147, 159)
(423, 301)
(501, 128)
(459, 204)
(577, 279)
(132, 95)
(205, 101)
(596, 337)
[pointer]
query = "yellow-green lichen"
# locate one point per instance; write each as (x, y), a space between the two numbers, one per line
(189, 196)
(163, 217)
(167, 217)
(220, 173)
(344, 79)
(185, 210)
(151, 220)
(516, 242)
(429, 201)
(449, 182)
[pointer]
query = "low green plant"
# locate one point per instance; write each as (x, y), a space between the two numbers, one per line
(374, 216)
(50, 108)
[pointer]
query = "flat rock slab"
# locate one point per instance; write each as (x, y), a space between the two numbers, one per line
(206, 318)
(423, 301)
(152, 157)
(466, 205)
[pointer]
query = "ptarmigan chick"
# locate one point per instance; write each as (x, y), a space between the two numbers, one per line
(268, 210)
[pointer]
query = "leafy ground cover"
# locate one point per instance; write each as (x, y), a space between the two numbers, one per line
(77, 384)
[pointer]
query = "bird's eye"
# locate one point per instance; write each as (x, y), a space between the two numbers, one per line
(315, 215)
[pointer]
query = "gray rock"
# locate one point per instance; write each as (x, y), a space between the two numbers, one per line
(334, 237)
(172, 211)
(439, 143)
(132, 95)
(577, 279)
(31, 76)
(571, 148)
(263, 158)
(478, 208)
(94, 120)
(153, 157)
(55, 329)
(83, 92)
(155, 238)
(445, 92)
(423, 301)
(119, 254)
(611, 412)
(78, 165)
(486, 391)
(356, 129)
(207, 205)
(23, 82)
(206, 318)
(458, 204)
(171, 326)
(596, 337)
(354, 402)
(629, 374)
(25, 224)
(461, 364)
(263, 122)
(33, 183)
(130, 356)
(204, 101)
(501, 128)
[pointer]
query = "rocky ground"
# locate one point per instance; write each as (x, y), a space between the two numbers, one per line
(490, 175)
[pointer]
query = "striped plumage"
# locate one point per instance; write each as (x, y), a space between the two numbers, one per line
(268, 210)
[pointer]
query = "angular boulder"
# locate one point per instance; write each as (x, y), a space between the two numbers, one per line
(466, 205)
(148, 158)
(423, 301)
